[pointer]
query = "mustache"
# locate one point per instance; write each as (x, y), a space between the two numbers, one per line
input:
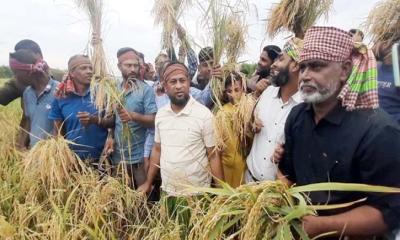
(309, 84)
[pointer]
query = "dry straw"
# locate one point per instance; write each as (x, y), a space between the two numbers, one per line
(227, 27)
(296, 16)
(52, 163)
(102, 83)
(167, 13)
(383, 22)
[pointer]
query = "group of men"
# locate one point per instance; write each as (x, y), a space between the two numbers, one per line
(317, 119)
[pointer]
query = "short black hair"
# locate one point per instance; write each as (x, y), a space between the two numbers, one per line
(24, 56)
(124, 50)
(355, 31)
(272, 51)
(206, 54)
(28, 44)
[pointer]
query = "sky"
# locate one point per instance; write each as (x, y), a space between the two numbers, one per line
(62, 29)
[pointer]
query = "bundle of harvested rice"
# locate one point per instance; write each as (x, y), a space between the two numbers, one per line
(111, 207)
(167, 14)
(236, 37)
(52, 163)
(232, 124)
(243, 116)
(227, 27)
(102, 82)
(267, 210)
(383, 22)
(296, 16)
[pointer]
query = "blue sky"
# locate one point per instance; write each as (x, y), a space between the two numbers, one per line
(62, 30)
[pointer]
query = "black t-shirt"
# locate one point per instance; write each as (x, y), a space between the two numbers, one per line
(361, 146)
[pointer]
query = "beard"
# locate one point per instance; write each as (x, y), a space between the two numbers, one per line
(263, 73)
(131, 76)
(321, 94)
(281, 79)
(179, 101)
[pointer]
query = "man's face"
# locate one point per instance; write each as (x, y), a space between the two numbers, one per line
(264, 64)
(82, 74)
(177, 89)
(205, 70)
(130, 69)
(357, 37)
(149, 74)
(320, 80)
(280, 70)
(234, 91)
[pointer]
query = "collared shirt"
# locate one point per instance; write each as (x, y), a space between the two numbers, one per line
(89, 140)
(204, 97)
(37, 108)
(139, 99)
(361, 146)
(184, 138)
(272, 112)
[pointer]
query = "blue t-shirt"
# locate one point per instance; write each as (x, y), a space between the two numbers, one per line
(141, 99)
(90, 139)
(389, 94)
(37, 108)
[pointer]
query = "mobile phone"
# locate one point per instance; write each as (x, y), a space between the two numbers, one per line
(396, 63)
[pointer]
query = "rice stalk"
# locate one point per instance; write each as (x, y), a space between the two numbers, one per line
(167, 13)
(227, 28)
(102, 81)
(51, 164)
(242, 117)
(296, 16)
(266, 210)
(383, 22)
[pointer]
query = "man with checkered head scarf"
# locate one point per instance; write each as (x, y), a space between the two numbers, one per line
(339, 135)
(271, 111)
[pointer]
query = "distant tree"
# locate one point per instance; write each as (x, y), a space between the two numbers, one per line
(5, 72)
(248, 69)
(57, 74)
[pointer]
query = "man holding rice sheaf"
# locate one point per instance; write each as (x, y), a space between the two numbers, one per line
(74, 114)
(261, 80)
(340, 135)
(271, 112)
(134, 117)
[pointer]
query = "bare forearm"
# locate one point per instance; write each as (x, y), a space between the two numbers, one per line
(154, 165)
(283, 178)
(108, 122)
(216, 166)
(361, 221)
(144, 120)
(23, 137)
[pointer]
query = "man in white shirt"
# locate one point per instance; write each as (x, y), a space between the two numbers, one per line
(184, 139)
(271, 112)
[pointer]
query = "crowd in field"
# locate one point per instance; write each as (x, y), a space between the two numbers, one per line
(323, 109)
